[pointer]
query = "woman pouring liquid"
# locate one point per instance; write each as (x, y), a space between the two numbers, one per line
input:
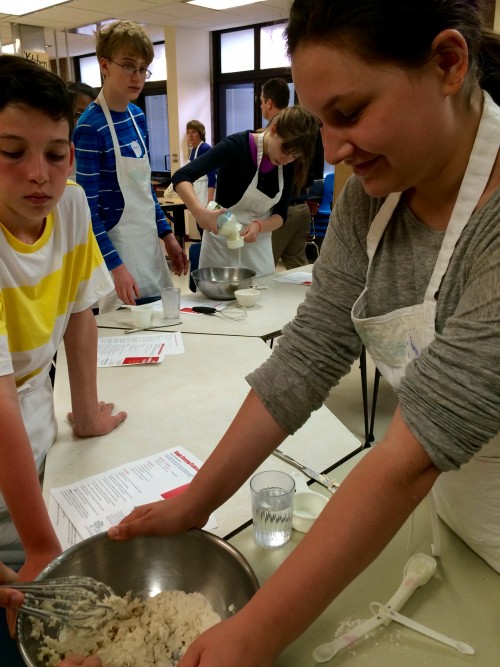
(255, 174)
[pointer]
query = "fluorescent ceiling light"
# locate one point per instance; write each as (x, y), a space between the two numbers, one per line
(221, 4)
(22, 7)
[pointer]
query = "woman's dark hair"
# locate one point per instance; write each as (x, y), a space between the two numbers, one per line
(24, 82)
(399, 32)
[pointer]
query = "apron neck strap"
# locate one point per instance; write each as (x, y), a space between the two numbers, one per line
(260, 147)
(107, 114)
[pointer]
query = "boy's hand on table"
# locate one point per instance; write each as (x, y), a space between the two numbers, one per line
(101, 422)
(125, 286)
(180, 262)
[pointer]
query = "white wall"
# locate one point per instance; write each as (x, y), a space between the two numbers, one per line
(188, 65)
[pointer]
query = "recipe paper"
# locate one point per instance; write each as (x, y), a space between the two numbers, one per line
(94, 504)
(297, 278)
(143, 349)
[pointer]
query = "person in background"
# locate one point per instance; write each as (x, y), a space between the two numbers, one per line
(274, 97)
(407, 94)
(51, 272)
(255, 174)
(289, 240)
(205, 185)
(83, 95)
(113, 167)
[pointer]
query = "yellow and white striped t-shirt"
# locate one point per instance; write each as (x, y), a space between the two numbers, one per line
(41, 284)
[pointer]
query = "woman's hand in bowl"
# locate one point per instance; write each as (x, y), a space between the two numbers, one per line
(80, 661)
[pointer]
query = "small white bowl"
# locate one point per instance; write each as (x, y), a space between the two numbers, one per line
(247, 297)
(307, 505)
(142, 315)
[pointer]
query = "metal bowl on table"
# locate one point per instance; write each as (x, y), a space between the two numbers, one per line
(221, 283)
(196, 561)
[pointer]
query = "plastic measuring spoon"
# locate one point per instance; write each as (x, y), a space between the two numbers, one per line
(325, 652)
(392, 615)
(417, 572)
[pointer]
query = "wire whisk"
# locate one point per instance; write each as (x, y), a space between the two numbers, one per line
(75, 601)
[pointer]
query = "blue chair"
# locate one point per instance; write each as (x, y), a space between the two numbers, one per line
(325, 208)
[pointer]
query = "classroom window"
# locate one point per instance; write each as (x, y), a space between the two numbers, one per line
(237, 51)
(273, 47)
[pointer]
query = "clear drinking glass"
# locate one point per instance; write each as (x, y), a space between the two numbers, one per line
(272, 494)
(171, 302)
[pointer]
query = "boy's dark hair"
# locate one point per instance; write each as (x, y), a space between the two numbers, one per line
(24, 82)
(277, 91)
(78, 88)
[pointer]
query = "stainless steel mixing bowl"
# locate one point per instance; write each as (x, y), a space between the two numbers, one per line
(193, 561)
(222, 283)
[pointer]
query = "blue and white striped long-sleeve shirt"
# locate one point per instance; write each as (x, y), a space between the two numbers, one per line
(96, 171)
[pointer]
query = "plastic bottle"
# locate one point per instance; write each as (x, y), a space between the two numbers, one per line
(228, 226)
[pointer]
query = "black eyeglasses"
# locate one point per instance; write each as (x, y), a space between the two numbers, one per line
(131, 69)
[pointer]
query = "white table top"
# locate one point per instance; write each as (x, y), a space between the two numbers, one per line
(462, 600)
(276, 306)
(189, 400)
(172, 198)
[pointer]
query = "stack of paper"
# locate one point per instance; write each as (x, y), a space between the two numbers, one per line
(297, 278)
(94, 504)
(143, 349)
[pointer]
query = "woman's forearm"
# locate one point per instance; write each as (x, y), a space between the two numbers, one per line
(360, 519)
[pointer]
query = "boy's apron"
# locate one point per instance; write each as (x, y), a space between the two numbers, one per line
(37, 408)
(135, 236)
(254, 205)
(467, 499)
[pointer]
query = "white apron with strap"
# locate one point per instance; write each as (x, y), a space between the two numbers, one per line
(135, 236)
(201, 184)
(467, 499)
(254, 205)
(37, 408)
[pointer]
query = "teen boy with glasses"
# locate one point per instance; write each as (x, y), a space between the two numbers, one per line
(113, 167)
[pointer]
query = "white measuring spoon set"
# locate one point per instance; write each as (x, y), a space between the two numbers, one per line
(417, 572)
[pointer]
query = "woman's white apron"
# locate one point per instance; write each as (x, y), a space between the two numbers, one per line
(468, 500)
(135, 236)
(254, 205)
(201, 184)
(37, 408)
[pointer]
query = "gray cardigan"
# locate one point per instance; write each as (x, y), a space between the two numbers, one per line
(450, 395)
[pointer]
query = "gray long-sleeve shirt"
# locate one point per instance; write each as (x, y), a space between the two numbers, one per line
(450, 395)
